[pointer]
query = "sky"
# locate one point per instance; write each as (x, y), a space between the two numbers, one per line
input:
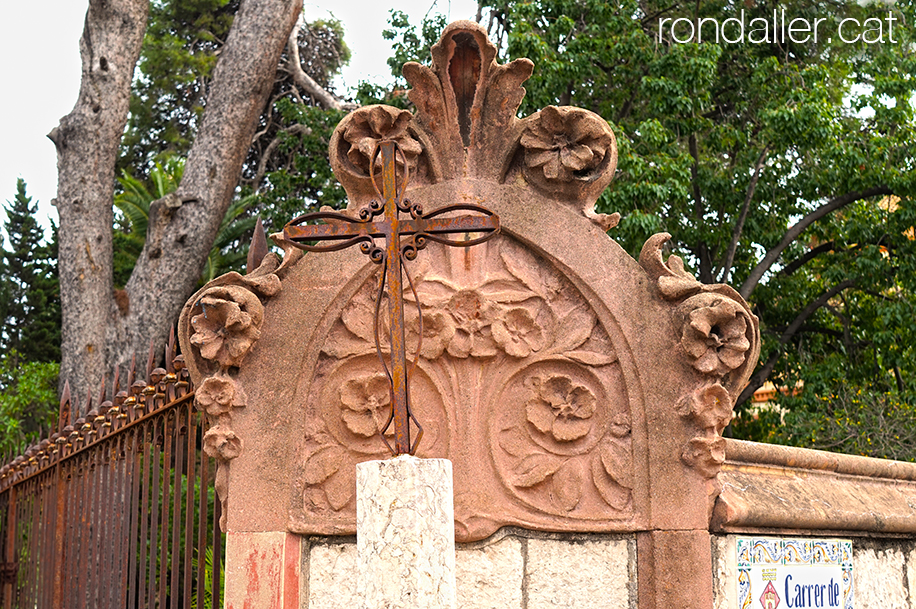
(39, 43)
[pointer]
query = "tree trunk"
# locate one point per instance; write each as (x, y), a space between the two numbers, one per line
(97, 334)
(182, 227)
(87, 146)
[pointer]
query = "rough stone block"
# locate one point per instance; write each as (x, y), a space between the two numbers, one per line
(878, 576)
(332, 576)
(724, 572)
(490, 577)
(578, 574)
(405, 533)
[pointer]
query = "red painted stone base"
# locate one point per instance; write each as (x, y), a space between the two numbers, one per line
(262, 570)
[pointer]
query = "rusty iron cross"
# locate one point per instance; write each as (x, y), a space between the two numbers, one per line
(419, 229)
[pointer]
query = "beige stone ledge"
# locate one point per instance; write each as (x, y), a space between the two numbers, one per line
(786, 490)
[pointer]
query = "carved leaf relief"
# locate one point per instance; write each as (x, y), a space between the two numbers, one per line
(569, 451)
(512, 358)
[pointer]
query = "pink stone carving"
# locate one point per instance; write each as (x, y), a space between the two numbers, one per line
(572, 387)
(221, 324)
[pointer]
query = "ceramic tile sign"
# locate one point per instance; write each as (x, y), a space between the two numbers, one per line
(788, 573)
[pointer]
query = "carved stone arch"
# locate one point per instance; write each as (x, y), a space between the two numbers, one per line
(535, 432)
(519, 382)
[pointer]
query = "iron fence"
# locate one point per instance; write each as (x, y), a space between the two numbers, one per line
(117, 508)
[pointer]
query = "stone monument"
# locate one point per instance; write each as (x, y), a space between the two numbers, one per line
(573, 388)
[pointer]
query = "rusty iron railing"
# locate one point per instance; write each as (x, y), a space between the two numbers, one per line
(115, 509)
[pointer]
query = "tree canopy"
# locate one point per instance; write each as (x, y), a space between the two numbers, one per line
(782, 167)
(30, 331)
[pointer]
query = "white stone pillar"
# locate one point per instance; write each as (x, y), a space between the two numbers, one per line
(405, 534)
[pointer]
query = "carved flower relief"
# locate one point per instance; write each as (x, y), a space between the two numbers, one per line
(374, 123)
(476, 321)
(710, 408)
(517, 332)
(438, 331)
(228, 324)
(715, 334)
(569, 451)
(565, 143)
(215, 395)
(365, 403)
(221, 443)
(560, 408)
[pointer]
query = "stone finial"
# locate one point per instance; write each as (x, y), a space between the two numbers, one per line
(466, 127)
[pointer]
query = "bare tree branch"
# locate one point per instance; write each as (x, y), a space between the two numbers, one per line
(799, 227)
(181, 231)
(742, 217)
(87, 147)
(296, 129)
(807, 257)
(306, 82)
(762, 373)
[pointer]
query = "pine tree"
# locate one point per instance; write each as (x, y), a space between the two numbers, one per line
(31, 320)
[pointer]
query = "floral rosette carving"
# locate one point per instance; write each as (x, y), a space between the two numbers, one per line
(566, 144)
(572, 152)
(365, 403)
(720, 338)
(714, 333)
(367, 126)
(354, 407)
(571, 453)
(710, 408)
(225, 323)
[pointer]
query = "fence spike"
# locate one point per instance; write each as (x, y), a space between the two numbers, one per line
(170, 351)
(133, 370)
(102, 392)
(114, 386)
(150, 359)
(64, 416)
(258, 248)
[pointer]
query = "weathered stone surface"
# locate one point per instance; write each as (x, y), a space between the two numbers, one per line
(794, 489)
(405, 534)
(332, 576)
(724, 572)
(879, 576)
(262, 570)
(578, 574)
(911, 573)
(490, 577)
(678, 567)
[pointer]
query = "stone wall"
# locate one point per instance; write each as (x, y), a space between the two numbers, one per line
(884, 572)
(518, 569)
(513, 569)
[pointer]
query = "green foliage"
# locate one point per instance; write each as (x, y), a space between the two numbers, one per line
(208, 580)
(176, 63)
(858, 420)
(704, 128)
(28, 400)
(230, 248)
(30, 287)
(299, 178)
